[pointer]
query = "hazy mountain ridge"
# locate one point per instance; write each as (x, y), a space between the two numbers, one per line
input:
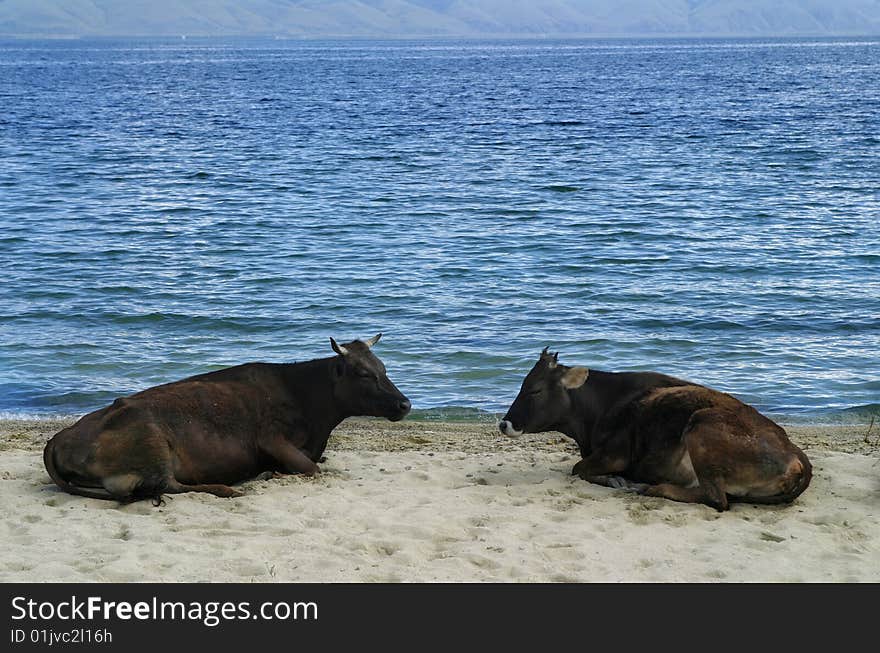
(388, 18)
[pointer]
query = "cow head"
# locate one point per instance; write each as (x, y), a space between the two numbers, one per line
(544, 400)
(363, 386)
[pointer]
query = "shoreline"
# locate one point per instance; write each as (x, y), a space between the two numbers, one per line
(376, 434)
(854, 415)
(442, 502)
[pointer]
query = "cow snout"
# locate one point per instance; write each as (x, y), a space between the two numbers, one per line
(401, 408)
(506, 427)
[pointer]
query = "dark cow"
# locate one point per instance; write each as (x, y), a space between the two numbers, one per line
(661, 436)
(205, 432)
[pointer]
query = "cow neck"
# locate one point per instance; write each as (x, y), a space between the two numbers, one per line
(586, 402)
(311, 382)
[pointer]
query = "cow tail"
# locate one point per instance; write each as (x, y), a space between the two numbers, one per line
(60, 481)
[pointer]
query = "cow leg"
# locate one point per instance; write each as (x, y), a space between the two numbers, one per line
(132, 464)
(291, 458)
(130, 487)
(617, 482)
(142, 467)
(602, 469)
(706, 493)
(217, 489)
(319, 454)
(706, 450)
(122, 486)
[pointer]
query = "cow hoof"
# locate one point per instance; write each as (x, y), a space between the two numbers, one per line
(576, 470)
(618, 482)
(322, 459)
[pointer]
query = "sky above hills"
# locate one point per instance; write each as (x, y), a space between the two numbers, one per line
(402, 18)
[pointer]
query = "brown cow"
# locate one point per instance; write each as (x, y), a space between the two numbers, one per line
(207, 431)
(660, 436)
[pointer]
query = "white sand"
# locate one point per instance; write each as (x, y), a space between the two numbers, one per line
(441, 502)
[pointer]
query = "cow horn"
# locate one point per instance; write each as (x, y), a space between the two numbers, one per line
(552, 362)
(545, 350)
(339, 349)
(372, 341)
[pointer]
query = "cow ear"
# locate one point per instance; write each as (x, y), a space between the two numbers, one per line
(372, 341)
(339, 349)
(575, 377)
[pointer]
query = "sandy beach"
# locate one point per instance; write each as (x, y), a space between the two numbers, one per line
(426, 501)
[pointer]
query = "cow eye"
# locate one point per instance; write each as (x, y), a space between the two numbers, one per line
(364, 373)
(535, 391)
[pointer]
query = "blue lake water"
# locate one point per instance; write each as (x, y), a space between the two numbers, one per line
(705, 208)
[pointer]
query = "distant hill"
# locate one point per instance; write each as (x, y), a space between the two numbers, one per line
(400, 18)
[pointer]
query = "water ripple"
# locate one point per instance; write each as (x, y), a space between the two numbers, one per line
(636, 205)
